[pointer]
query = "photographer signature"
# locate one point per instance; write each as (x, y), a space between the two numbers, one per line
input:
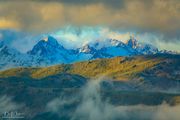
(12, 115)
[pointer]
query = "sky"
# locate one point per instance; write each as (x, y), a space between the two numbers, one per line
(153, 21)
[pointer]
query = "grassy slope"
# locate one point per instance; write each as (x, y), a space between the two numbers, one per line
(119, 68)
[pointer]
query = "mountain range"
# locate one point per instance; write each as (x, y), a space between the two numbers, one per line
(129, 74)
(49, 52)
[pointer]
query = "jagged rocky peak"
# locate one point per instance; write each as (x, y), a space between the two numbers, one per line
(114, 42)
(50, 40)
(86, 49)
(132, 42)
(48, 51)
(45, 46)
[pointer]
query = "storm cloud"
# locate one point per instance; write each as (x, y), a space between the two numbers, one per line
(158, 16)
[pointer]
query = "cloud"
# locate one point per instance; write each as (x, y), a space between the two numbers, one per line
(159, 41)
(91, 106)
(88, 35)
(112, 3)
(79, 36)
(74, 37)
(8, 24)
(7, 105)
(22, 41)
(138, 15)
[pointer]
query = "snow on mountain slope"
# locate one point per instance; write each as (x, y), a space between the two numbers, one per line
(110, 49)
(87, 49)
(117, 48)
(49, 52)
(141, 48)
(85, 53)
(10, 57)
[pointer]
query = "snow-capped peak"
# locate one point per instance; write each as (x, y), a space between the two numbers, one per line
(132, 42)
(45, 39)
(45, 46)
(49, 52)
(114, 42)
(86, 49)
(50, 41)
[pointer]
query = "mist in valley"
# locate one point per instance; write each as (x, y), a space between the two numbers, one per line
(91, 106)
(90, 102)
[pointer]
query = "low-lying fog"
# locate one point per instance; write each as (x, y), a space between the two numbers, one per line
(92, 107)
